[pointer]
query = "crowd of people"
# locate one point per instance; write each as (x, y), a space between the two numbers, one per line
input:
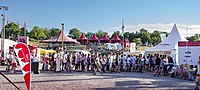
(159, 65)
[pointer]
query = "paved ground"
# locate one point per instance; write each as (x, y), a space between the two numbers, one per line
(82, 81)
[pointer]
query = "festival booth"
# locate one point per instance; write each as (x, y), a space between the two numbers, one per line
(189, 52)
(169, 46)
(83, 40)
(58, 40)
(104, 39)
(116, 39)
(94, 39)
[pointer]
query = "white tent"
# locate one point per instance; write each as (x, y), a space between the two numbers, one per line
(7, 44)
(169, 45)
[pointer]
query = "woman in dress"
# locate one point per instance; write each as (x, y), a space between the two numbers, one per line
(57, 59)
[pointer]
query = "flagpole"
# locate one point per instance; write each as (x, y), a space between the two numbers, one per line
(123, 36)
(24, 28)
(3, 30)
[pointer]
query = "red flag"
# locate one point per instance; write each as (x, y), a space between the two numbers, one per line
(23, 55)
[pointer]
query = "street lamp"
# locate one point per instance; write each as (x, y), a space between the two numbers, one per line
(123, 35)
(62, 36)
(3, 26)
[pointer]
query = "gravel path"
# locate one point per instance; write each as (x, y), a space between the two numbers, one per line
(48, 80)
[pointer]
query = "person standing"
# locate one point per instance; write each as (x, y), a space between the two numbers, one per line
(97, 65)
(197, 80)
(157, 65)
(165, 61)
(114, 62)
(83, 62)
(9, 60)
(118, 60)
(74, 61)
(57, 59)
(45, 62)
(65, 61)
(128, 63)
(69, 63)
(88, 62)
(61, 59)
(110, 62)
(147, 63)
(141, 62)
(14, 63)
(103, 63)
(124, 62)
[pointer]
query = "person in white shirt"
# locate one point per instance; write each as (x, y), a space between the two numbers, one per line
(8, 60)
(103, 62)
(78, 61)
(61, 59)
(57, 59)
(114, 62)
(97, 65)
(110, 62)
(124, 62)
(65, 61)
(128, 63)
(14, 63)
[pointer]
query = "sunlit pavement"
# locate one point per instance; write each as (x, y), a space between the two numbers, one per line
(48, 80)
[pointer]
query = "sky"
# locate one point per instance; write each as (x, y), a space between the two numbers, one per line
(106, 15)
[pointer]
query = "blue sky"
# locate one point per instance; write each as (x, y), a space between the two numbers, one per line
(92, 15)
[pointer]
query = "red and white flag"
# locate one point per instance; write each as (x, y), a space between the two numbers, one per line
(23, 54)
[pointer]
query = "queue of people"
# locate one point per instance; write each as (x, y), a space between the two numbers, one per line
(113, 62)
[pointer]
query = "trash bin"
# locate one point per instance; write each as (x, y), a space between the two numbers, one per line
(35, 67)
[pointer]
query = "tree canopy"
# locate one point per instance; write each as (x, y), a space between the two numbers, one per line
(142, 36)
(75, 33)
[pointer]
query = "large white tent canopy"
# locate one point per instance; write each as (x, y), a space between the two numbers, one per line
(7, 43)
(169, 46)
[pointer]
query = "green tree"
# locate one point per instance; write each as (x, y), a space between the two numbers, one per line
(54, 32)
(131, 37)
(138, 41)
(100, 33)
(37, 33)
(126, 35)
(155, 38)
(22, 32)
(75, 33)
(47, 33)
(12, 31)
(144, 35)
(89, 34)
(194, 38)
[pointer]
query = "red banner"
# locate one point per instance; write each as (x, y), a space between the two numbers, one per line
(189, 43)
(23, 54)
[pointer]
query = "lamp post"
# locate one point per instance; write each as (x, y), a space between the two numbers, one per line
(62, 36)
(3, 26)
(123, 36)
(186, 46)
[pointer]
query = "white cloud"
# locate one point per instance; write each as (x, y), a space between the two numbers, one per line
(192, 29)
